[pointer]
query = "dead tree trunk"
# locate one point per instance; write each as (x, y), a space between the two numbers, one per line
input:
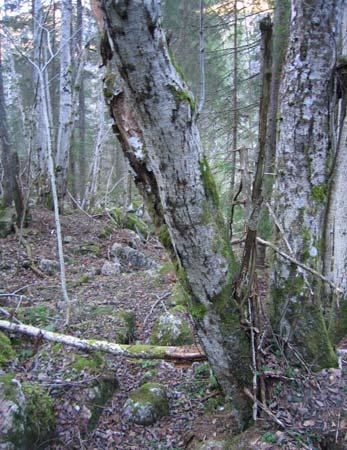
(154, 115)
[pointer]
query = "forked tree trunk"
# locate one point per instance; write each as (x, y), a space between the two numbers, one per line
(302, 175)
(153, 111)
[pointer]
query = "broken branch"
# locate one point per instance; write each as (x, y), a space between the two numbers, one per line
(136, 351)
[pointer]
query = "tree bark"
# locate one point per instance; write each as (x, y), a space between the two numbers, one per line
(136, 351)
(301, 186)
(279, 45)
(9, 159)
(65, 108)
(154, 115)
(336, 236)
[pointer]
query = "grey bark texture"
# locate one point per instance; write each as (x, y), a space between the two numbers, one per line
(336, 223)
(302, 163)
(65, 105)
(154, 115)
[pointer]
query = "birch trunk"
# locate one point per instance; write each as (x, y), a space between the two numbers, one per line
(9, 159)
(40, 140)
(154, 115)
(302, 174)
(65, 102)
(336, 229)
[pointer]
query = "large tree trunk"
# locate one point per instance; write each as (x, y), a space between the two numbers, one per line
(154, 119)
(302, 175)
(65, 108)
(336, 235)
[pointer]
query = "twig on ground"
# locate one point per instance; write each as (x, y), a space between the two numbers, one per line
(7, 314)
(159, 299)
(264, 408)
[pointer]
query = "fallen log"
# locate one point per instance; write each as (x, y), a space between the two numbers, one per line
(135, 351)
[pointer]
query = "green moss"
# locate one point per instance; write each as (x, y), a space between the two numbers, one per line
(127, 331)
(164, 236)
(178, 68)
(179, 295)
(182, 95)
(93, 363)
(319, 193)
(129, 221)
(171, 329)
(155, 351)
(9, 387)
(151, 393)
(85, 278)
(40, 419)
(7, 354)
(102, 393)
(37, 315)
(208, 180)
(197, 310)
(106, 232)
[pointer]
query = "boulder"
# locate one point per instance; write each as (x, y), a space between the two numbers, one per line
(172, 328)
(147, 404)
(49, 266)
(7, 221)
(111, 268)
(12, 414)
(130, 258)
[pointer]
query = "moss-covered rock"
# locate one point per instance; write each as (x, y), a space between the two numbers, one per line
(26, 414)
(97, 397)
(50, 267)
(147, 404)
(88, 247)
(172, 328)
(178, 296)
(129, 221)
(212, 444)
(12, 414)
(39, 415)
(7, 221)
(131, 259)
(7, 354)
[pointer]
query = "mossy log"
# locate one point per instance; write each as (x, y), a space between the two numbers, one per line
(136, 351)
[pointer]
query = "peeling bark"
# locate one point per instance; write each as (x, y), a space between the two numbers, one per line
(154, 115)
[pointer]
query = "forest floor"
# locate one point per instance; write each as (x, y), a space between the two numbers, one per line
(304, 404)
(96, 298)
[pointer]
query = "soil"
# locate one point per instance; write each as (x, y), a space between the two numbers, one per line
(304, 410)
(95, 299)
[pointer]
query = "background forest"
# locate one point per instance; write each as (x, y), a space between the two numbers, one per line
(173, 224)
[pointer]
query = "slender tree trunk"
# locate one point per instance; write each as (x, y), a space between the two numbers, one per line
(40, 140)
(9, 159)
(235, 120)
(279, 46)
(154, 117)
(82, 162)
(301, 187)
(65, 109)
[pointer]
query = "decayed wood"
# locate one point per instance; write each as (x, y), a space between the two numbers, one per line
(138, 351)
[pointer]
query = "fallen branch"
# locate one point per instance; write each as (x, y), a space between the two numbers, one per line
(137, 351)
(264, 408)
(299, 264)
